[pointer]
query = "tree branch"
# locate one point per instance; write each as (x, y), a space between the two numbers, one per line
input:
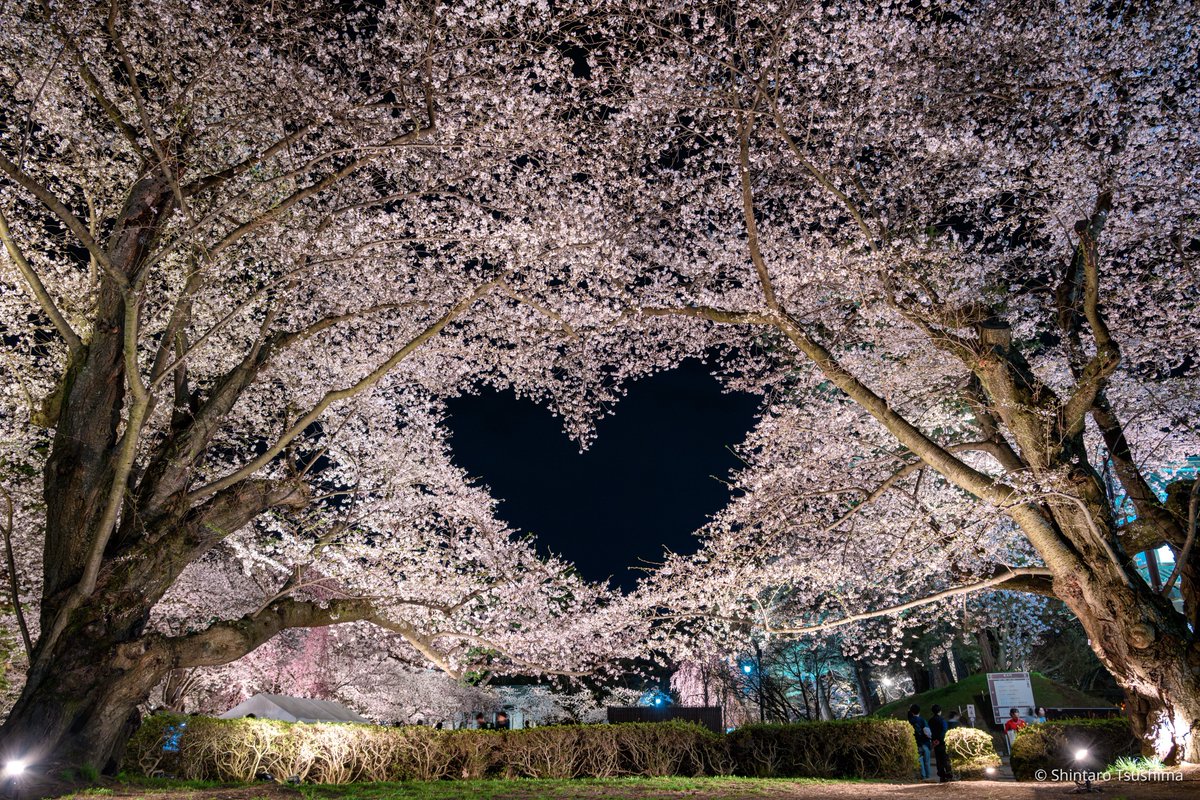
(756, 256)
(227, 641)
(13, 586)
(242, 167)
(73, 223)
(999, 580)
(301, 195)
(1186, 552)
(334, 396)
(1037, 527)
(74, 345)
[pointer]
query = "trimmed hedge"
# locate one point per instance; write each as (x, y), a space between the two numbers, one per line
(1052, 745)
(205, 748)
(852, 748)
(971, 752)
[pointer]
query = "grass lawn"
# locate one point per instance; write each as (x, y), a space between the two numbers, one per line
(672, 788)
(1046, 692)
(553, 789)
(629, 789)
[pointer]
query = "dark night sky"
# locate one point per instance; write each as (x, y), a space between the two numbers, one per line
(649, 479)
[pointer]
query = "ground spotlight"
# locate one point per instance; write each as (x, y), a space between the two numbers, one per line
(1085, 786)
(14, 768)
(990, 770)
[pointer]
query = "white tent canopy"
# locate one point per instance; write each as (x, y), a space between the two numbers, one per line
(293, 709)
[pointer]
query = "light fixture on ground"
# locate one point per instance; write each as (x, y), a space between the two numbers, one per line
(15, 767)
(1084, 787)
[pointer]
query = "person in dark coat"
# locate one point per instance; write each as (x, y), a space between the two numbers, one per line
(937, 730)
(921, 732)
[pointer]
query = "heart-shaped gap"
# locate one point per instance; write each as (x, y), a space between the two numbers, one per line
(648, 481)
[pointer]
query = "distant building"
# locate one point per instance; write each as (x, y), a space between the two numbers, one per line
(293, 709)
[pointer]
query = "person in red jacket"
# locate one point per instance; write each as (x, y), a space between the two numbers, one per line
(1014, 723)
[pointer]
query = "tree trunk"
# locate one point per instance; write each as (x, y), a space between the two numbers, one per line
(1142, 641)
(80, 710)
(824, 708)
(987, 656)
(862, 682)
(942, 676)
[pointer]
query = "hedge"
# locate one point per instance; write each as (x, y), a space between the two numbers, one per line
(1052, 745)
(971, 752)
(853, 748)
(205, 748)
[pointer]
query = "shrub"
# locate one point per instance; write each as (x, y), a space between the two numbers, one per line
(859, 748)
(1127, 768)
(971, 752)
(245, 749)
(154, 747)
(203, 748)
(1052, 745)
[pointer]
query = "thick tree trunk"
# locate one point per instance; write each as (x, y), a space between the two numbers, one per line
(78, 711)
(1144, 643)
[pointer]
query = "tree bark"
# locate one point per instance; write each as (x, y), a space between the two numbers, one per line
(77, 713)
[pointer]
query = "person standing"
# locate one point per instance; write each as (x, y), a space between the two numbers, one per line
(481, 722)
(1039, 715)
(1014, 724)
(921, 732)
(937, 731)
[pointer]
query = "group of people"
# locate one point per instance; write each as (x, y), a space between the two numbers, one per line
(501, 723)
(1014, 723)
(931, 736)
(931, 740)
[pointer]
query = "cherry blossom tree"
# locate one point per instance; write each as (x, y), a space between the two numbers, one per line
(959, 240)
(361, 665)
(247, 249)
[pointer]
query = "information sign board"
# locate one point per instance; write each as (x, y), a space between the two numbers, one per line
(1010, 690)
